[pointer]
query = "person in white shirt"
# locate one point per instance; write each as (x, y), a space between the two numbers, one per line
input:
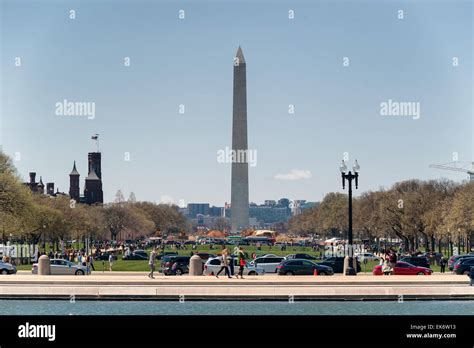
(111, 262)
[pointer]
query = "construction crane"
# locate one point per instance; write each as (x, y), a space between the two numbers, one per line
(453, 166)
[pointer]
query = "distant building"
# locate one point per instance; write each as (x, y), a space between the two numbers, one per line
(216, 211)
(37, 187)
(93, 186)
(267, 214)
(50, 188)
(197, 208)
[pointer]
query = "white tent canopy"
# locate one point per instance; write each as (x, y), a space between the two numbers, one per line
(264, 232)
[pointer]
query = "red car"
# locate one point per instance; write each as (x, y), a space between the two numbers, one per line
(404, 268)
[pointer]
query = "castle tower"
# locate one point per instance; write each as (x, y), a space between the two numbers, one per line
(93, 190)
(32, 178)
(50, 188)
(40, 187)
(94, 160)
(74, 184)
(240, 175)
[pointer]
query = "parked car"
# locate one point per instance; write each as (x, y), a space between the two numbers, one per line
(7, 268)
(452, 260)
(213, 265)
(166, 253)
(62, 267)
(303, 267)
(300, 256)
(421, 261)
(175, 265)
(136, 255)
(404, 268)
(269, 264)
(367, 256)
(337, 264)
(463, 265)
(104, 257)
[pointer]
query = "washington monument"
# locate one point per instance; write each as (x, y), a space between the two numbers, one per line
(240, 170)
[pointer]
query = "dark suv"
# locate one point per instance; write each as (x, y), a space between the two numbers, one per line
(300, 256)
(175, 265)
(302, 267)
(454, 258)
(420, 261)
(337, 264)
(463, 266)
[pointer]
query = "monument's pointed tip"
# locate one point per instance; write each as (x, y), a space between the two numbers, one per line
(240, 55)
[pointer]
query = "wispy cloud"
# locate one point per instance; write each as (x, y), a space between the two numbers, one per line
(166, 199)
(294, 174)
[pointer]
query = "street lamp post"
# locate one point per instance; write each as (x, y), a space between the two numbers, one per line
(349, 177)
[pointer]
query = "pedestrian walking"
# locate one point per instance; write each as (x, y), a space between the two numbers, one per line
(231, 264)
(111, 262)
(224, 263)
(91, 260)
(242, 263)
(386, 269)
(151, 263)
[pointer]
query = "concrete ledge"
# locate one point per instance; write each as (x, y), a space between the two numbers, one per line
(268, 287)
(233, 292)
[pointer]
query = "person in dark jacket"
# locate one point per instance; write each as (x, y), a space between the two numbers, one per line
(442, 264)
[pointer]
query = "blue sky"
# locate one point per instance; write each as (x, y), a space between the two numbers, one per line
(173, 61)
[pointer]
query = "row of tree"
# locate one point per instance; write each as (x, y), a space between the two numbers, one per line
(33, 217)
(430, 214)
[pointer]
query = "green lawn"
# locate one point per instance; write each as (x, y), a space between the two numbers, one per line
(142, 265)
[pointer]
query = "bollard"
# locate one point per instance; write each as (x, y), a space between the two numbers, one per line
(195, 265)
(44, 265)
(345, 265)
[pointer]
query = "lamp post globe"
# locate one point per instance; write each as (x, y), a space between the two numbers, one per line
(349, 177)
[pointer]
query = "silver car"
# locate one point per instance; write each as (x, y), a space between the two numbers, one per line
(213, 265)
(63, 267)
(7, 268)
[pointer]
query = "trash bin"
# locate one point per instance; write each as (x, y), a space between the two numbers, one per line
(195, 265)
(44, 265)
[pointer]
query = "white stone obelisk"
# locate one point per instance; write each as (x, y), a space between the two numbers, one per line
(240, 169)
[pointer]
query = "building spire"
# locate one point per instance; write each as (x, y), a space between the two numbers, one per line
(74, 170)
(92, 175)
(240, 56)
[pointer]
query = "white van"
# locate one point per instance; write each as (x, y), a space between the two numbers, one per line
(268, 263)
